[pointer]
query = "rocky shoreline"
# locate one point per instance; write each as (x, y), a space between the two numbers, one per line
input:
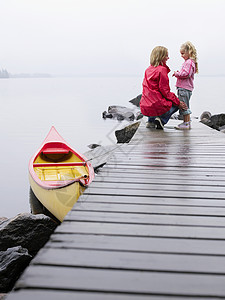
(20, 239)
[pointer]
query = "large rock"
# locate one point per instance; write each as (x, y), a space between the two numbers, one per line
(119, 112)
(216, 121)
(136, 100)
(206, 115)
(13, 262)
(20, 239)
(26, 230)
(125, 135)
(205, 118)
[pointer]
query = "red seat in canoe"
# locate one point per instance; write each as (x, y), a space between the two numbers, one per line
(55, 147)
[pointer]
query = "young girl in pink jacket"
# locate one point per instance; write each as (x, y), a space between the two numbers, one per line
(185, 79)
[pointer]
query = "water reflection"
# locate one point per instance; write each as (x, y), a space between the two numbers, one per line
(167, 149)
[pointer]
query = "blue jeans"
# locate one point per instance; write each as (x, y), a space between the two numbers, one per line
(165, 117)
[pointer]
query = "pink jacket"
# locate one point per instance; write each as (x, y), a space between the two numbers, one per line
(185, 77)
(156, 96)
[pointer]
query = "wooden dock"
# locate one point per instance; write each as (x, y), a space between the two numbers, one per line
(151, 225)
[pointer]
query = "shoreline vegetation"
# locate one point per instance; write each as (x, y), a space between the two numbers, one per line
(5, 74)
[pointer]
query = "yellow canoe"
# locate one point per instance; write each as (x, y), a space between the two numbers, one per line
(58, 175)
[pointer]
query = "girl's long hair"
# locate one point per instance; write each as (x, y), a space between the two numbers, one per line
(190, 49)
(157, 56)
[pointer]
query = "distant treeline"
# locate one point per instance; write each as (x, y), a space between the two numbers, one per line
(5, 74)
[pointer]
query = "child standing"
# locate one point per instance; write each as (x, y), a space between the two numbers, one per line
(185, 79)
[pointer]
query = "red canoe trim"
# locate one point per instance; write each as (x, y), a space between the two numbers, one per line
(60, 164)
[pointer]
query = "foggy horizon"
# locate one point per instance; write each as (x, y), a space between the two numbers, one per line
(107, 38)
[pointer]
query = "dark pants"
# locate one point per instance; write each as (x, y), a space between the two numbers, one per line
(165, 117)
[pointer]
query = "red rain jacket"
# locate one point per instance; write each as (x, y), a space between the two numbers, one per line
(156, 96)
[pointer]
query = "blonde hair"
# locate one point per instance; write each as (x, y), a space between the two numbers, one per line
(157, 56)
(189, 48)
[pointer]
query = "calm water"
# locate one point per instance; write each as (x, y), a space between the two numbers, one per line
(29, 107)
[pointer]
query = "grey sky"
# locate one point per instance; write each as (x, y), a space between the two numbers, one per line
(108, 37)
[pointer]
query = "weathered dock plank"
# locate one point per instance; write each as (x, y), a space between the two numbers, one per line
(138, 244)
(156, 192)
(147, 219)
(68, 295)
(158, 186)
(151, 225)
(149, 200)
(149, 210)
(123, 282)
(143, 230)
(126, 260)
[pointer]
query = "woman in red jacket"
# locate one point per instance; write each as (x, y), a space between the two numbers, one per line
(157, 102)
